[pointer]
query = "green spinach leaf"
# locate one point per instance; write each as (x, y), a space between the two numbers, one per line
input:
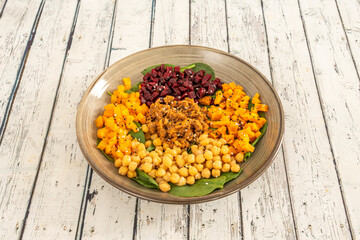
(134, 88)
(103, 152)
(148, 70)
(145, 180)
(140, 136)
(151, 148)
(231, 175)
(199, 188)
(206, 68)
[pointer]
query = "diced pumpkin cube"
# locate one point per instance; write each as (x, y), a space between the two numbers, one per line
(102, 132)
(205, 100)
(108, 149)
(109, 122)
(232, 85)
(222, 130)
(121, 89)
(218, 97)
(101, 145)
(99, 122)
(109, 107)
(127, 83)
(113, 98)
(141, 118)
(109, 113)
(229, 138)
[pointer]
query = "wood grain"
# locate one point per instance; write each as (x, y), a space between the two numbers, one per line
(338, 85)
(13, 45)
(163, 221)
(23, 140)
(111, 214)
(318, 208)
(265, 204)
(219, 219)
(350, 18)
(56, 201)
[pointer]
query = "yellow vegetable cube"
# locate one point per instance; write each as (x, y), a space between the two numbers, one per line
(127, 83)
(99, 122)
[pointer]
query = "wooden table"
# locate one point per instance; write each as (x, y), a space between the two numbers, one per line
(51, 50)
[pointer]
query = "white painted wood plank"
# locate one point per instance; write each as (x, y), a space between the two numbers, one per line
(350, 14)
(219, 219)
(56, 201)
(162, 221)
(318, 208)
(266, 209)
(339, 86)
(111, 213)
(23, 140)
(13, 42)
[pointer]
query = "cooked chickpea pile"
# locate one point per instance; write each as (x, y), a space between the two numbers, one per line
(209, 158)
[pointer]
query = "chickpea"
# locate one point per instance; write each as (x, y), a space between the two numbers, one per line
(200, 158)
(198, 176)
(226, 167)
(145, 128)
(152, 173)
(217, 144)
(131, 174)
(164, 186)
(154, 136)
(141, 167)
(134, 144)
(205, 173)
(157, 161)
(232, 163)
(193, 171)
(209, 164)
(173, 169)
(173, 152)
(132, 166)
(204, 142)
(178, 150)
(235, 168)
(199, 167)
(217, 165)
(194, 148)
(183, 172)
(159, 179)
(142, 153)
(182, 181)
(203, 136)
(239, 157)
(226, 158)
(140, 147)
(168, 155)
(208, 147)
(184, 154)
(211, 140)
(147, 143)
(166, 145)
(208, 155)
(215, 150)
(215, 173)
(175, 178)
(180, 162)
(224, 149)
(136, 159)
(147, 167)
(167, 176)
(160, 172)
(123, 170)
(167, 161)
(163, 166)
(157, 142)
(190, 158)
(118, 162)
(153, 154)
(217, 158)
(159, 151)
(147, 160)
(190, 180)
(222, 141)
(126, 160)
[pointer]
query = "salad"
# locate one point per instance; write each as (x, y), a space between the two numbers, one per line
(181, 130)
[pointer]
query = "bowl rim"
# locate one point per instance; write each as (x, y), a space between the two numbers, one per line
(189, 200)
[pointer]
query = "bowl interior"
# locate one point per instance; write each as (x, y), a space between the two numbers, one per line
(227, 67)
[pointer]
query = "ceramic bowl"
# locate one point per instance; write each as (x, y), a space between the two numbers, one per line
(227, 67)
